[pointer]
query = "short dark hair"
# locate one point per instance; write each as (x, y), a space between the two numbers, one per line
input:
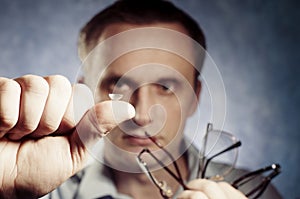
(140, 12)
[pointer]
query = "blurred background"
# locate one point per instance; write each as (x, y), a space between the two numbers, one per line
(255, 45)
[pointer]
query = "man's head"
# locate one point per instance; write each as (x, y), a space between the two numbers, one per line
(162, 85)
(136, 12)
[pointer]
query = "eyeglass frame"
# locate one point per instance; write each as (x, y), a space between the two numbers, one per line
(165, 192)
(178, 177)
(205, 161)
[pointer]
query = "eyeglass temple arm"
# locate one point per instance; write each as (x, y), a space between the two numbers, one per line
(179, 177)
(247, 177)
(146, 167)
(209, 127)
(263, 185)
(235, 145)
(155, 182)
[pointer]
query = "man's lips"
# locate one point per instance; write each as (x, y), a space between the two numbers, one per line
(138, 141)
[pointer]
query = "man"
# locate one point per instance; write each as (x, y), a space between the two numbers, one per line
(43, 151)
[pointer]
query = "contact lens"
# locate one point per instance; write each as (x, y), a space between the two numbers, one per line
(115, 97)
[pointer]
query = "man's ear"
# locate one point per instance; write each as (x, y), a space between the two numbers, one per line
(196, 100)
(198, 89)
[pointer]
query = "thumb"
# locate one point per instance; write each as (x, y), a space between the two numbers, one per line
(93, 122)
(96, 123)
(99, 120)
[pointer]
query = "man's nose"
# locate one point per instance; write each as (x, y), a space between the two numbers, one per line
(142, 100)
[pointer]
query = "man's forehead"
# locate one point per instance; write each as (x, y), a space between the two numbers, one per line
(150, 56)
(118, 39)
(116, 28)
(148, 65)
(153, 44)
(145, 73)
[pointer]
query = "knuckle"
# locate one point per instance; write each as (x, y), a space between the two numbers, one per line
(224, 184)
(105, 128)
(27, 127)
(34, 83)
(195, 183)
(7, 122)
(196, 195)
(67, 122)
(9, 85)
(209, 186)
(102, 113)
(59, 82)
(49, 127)
(193, 195)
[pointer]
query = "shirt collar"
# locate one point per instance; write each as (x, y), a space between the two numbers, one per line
(98, 182)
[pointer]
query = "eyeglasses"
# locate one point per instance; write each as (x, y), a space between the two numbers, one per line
(207, 154)
(270, 172)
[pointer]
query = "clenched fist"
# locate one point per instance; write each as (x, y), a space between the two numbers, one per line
(40, 145)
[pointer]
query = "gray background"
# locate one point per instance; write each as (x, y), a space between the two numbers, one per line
(254, 43)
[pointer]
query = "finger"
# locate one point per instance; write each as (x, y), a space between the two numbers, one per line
(101, 119)
(60, 91)
(80, 102)
(34, 92)
(188, 194)
(9, 104)
(231, 191)
(208, 187)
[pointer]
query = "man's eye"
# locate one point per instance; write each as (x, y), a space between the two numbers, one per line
(166, 88)
(121, 87)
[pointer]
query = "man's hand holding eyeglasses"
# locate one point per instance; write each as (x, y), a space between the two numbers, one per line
(207, 189)
(39, 142)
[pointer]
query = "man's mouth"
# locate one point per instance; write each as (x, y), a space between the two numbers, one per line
(138, 141)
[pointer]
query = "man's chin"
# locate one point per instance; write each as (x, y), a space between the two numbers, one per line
(132, 150)
(125, 161)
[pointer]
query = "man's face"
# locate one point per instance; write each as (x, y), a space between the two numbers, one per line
(159, 84)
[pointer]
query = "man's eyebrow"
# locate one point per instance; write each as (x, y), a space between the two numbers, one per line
(116, 78)
(111, 78)
(169, 79)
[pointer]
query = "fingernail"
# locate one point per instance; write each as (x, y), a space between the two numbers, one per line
(122, 111)
(82, 100)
